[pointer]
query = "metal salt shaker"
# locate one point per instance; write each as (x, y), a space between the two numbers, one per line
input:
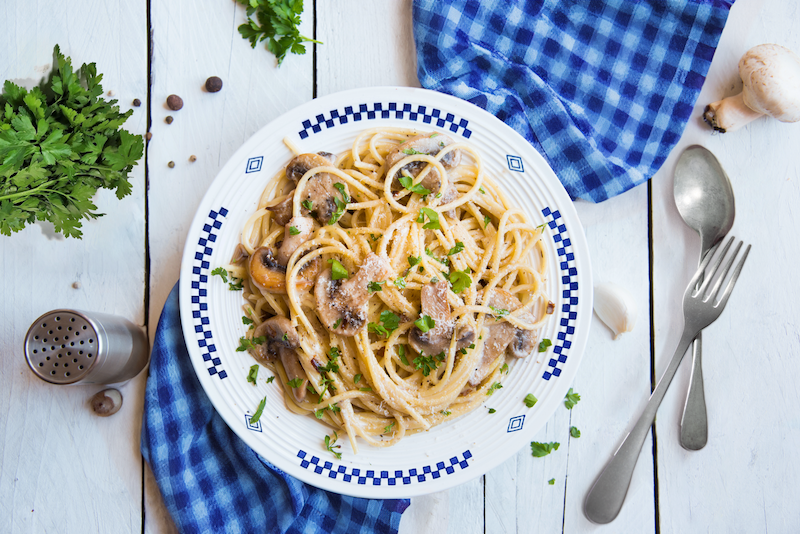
(77, 347)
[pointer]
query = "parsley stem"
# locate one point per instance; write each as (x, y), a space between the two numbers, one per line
(29, 192)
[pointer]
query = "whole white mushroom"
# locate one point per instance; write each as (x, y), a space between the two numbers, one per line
(771, 77)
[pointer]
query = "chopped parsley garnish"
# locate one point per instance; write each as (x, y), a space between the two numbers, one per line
(221, 272)
(341, 205)
(245, 344)
(543, 449)
(293, 230)
(482, 190)
(307, 204)
(543, 344)
(434, 134)
(504, 368)
(400, 282)
(407, 182)
(574, 432)
(428, 363)
(253, 374)
(459, 280)
(445, 413)
(401, 352)
(410, 152)
(434, 280)
(492, 410)
(329, 445)
(552, 481)
(256, 416)
(499, 313)
(295, 383)
(365, 389)
(388, 428)
(571, 399)
(338, 323)
(390, 323)
(494, 387)
(425, 323)
(246, 320)
(374, 286)
(235, 286)
(486, 221)
(286, 336)
(337, 270)
(319, 413)
(433, 219)
(270, 379)
(357, 379)
(541, 227)
(530, 400)
(456, 249)
(414, 260)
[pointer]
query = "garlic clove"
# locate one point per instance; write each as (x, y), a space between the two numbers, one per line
(107, 402)
(615, 307)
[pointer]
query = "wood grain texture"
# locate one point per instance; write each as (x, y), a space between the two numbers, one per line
(54, 452)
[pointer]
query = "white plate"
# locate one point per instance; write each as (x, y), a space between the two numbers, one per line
(449, 454)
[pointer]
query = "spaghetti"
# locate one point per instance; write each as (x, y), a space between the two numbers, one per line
(387, 285)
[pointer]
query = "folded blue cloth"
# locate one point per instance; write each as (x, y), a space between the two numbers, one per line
(601, 88)
(211, 481)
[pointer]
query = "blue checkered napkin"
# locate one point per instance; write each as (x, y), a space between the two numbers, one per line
(602, 88)
(211, 481)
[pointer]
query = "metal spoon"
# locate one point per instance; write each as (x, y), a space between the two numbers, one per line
(704, 197)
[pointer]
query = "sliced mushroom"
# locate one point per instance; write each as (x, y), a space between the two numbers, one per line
(282, 211)
(239, 254)
(269, 275)
(433, 299)
(320, 190)
(423, 144)
(524, 341)
(342, 304)
(449, 195)
(281, 341)
(303, 163)
(297, 231)
(497, 337)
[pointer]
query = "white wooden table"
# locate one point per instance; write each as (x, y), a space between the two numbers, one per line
(62, 469)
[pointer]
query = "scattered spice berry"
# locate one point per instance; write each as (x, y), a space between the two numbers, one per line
(76, 285)
(107, 402)
(137, 102)
(148, 135)
(169, 119)
(171, 164)
(174, 102)
(192, 158)
(213, 84)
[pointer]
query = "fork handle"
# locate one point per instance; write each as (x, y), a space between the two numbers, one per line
(694, 421)
(604, 499)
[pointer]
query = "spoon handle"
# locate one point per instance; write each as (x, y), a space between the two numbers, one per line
(694, 421)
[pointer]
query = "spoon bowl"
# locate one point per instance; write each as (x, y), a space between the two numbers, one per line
(704, 197)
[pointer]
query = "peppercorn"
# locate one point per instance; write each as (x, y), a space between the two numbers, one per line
(192, 158)
(137, 102)
(148, 135)
(174, 102)
(213, 84)
(171, 164)
(169, 119)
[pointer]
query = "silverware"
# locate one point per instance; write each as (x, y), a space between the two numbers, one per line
(701, 306)
(704, 198)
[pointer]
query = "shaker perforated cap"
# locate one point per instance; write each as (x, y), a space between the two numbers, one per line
(62, 346)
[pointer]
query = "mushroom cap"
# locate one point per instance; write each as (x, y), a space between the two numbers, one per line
(423, 144)
(279, 333)
(303, 163)
(771, 77)
(265, 272)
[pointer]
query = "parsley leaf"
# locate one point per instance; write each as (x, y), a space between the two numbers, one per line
(270, 379)
(459, 280)
(410, 152)
(571, 399)
(428, 363)
(329, 445)
(221, 272)
(293, 230)
(543, 344)
(530, 400)
(574, 432)
(543, 449)
(433, 219)
(390, 323)
(552, 481)
(456, 249)
(486, 221)
(374, 286)
(307, 204)
(407, 182)
(337, 270)
(401, 352)
(425, 323)
(494, 387)
(499, 313)
(356, 379)
(504, 368)
(245, 344)
(400, 283)
(388, 428)
(256, 416)
(277, 22)
(59, 143)
(338, 323)
(341, 205)
(253, 374)
(492, 410)
(295, 383)
(246, 320)
(414, 260)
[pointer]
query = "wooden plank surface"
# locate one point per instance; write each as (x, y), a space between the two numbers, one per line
(55, 452)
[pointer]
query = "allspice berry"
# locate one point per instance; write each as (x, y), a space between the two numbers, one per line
(148, 135)
(192, 158)
(174, 102)
(213, 84)
(169, 119)
(107, 402)
(171, 164)
(137, 102)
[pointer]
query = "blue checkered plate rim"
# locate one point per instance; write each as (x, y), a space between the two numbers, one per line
(449, 454)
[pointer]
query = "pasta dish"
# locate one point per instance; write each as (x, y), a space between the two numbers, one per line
(387, 285)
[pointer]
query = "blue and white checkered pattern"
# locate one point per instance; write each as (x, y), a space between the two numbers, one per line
(386, 110)
(569, 287)
(212, 481)
(376, 478)
(602, 88)
(200, 274)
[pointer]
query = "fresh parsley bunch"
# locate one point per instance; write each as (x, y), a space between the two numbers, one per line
(60, 143)
(276, 21)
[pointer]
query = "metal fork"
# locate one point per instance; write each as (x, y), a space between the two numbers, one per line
(702, 305)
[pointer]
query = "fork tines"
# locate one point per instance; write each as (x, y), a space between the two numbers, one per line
(710, 274)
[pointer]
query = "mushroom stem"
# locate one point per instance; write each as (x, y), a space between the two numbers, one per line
(729, 114)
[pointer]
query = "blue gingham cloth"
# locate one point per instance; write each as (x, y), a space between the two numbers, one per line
(211, 480)
(601, 88)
